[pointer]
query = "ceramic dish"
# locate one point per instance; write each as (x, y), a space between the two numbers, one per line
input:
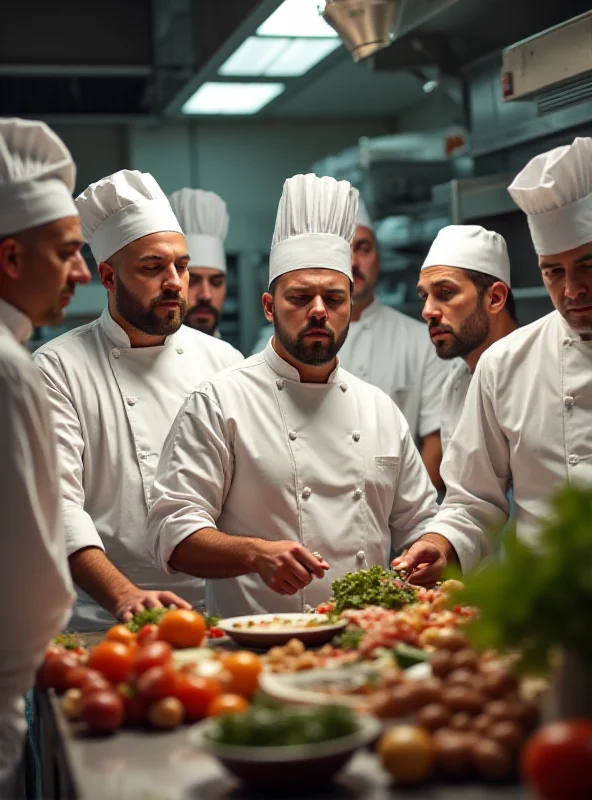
(271, 630)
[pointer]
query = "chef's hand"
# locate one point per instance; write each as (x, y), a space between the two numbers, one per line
(138, 600)
(426, 559)
(287, 567)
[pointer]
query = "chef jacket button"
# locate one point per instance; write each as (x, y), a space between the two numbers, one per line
(143, 455)
(306, 492)
(280, 384)
(116, 353)
(356, 436)
(343, 387)
(568, 401)
(573, 460)
(357, 494)
(567, 341)
(180, 351)
(131, 401)
(360, 555)
(293, 435)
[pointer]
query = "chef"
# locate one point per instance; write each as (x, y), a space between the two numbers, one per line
(464, 284)
(115, 386)
(204, 220)
(40, 265)
(286, 465)
(526, 419)
(393, 351)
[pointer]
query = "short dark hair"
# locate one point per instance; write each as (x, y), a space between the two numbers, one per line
(482, 283)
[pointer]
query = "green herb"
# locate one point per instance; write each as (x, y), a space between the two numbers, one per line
(538, 599)
(350, 639)
(150, 616)
(212, 622)
(407, 656)
(270, 725)
(69, 641)
(371, 587)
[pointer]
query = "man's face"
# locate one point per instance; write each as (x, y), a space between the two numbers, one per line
(205, 298)
(310, 311)
(365, 265)
(568, 279)
(148, 281)
(456, 317)
(50, 266)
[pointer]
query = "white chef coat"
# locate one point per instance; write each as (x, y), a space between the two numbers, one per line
(36, 586)
(526, 420)
(394, 352)
(113, 405)
(454, 393)
(255, 452)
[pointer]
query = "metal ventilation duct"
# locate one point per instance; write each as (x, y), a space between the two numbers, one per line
(365, 26)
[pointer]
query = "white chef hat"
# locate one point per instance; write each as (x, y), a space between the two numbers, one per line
(470, 247)
(363, 217)
(204, 219)
(555, 191)
(121, 208)
(315, 226)
(37, 176)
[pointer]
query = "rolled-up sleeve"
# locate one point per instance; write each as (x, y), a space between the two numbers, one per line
(78, 524)
(476, 470)
(193, 477)
(434, 376)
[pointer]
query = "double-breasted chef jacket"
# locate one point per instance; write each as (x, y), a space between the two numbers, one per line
(255, 452)
(454, 393)
(36, 583)
(394, 352)
(526, 422)
(113, 406)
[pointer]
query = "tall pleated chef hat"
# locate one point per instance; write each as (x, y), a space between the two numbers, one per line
(37, 176)
(315, 226)
(204, 219)
(470, 247)
(555, 191)
(363, 217)
(121, 208)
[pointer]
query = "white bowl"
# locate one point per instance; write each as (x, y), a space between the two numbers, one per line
(274, 636)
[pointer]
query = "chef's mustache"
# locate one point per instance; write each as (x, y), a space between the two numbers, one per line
(357, 274)
(433, 326)
(202, 305)
(581, 304)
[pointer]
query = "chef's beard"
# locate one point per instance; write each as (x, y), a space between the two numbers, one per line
(471, 335)
(145, 317)
(315, 353)
(208, 328)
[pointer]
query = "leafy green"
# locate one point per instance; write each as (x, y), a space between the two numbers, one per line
(537, 599)
(371, 587)
(211, 621)
(407, 656)
(69, 641)
(350, 639)
(150, 616)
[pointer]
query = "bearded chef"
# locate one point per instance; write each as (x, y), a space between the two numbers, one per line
(468, 304)
(393, 351)
(40, 265)
(526, 419)
(287, 466)
(115, 386)
(204, 220)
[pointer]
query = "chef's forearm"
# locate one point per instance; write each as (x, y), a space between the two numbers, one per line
(431, 454)
(96, 575)
(209, 553)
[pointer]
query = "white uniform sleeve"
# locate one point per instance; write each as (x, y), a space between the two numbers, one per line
(476, 471)
(80, 529)
(415, 497)
(193, 477)
(434, 376)
(36, 584)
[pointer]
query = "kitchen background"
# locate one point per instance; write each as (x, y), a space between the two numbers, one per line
(420, 126)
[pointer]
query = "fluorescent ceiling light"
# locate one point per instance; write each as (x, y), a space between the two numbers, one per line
(231, 98)
(297, 18)
(277, 57)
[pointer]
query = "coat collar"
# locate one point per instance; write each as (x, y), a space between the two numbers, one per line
(119, 337)
(17, 323)
(287, 371)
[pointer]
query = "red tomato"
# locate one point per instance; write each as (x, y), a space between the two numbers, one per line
(102, 711)
(76, 676)
(149, 633)
(157, 682)
(215, 633)
(244, 668)
(119, 633)
(52, 673)
(135, 706)
(227, 704)
(94, 681)
(557, 760)
(182, 628)
(153, 654)
(196, 693)
(54, 650)
(111, 659)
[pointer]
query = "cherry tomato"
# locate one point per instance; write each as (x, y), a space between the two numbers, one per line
(149, 633)
(94, 682)
(119, 633)
(196, 693)
(244, 669)
(157, 682)
(134, 705)
(227, 704)
(153, 654)
(76, 676)
(557, 760)
(182, 628)
(52, 673)
(111, 659)
(102, 711)
(215, 633)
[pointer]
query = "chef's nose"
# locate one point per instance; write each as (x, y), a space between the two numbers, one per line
(318, 309)
(80, 272)
(172, 278)
(430, 310)
(204, 291)
(575, 283)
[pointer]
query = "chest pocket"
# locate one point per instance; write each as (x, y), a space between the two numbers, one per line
(384, 479)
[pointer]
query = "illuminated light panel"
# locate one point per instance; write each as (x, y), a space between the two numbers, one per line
(297, 18)
(254, 56)
(231, 98)
(300, 56)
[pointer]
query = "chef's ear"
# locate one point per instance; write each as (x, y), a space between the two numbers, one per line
(267, 303)
(497, 295)
(107, 275)
(10, 257)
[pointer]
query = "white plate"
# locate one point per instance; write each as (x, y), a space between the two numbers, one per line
(274, 636)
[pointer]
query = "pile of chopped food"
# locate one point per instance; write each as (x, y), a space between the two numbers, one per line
(294, 657)
(370, 587)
